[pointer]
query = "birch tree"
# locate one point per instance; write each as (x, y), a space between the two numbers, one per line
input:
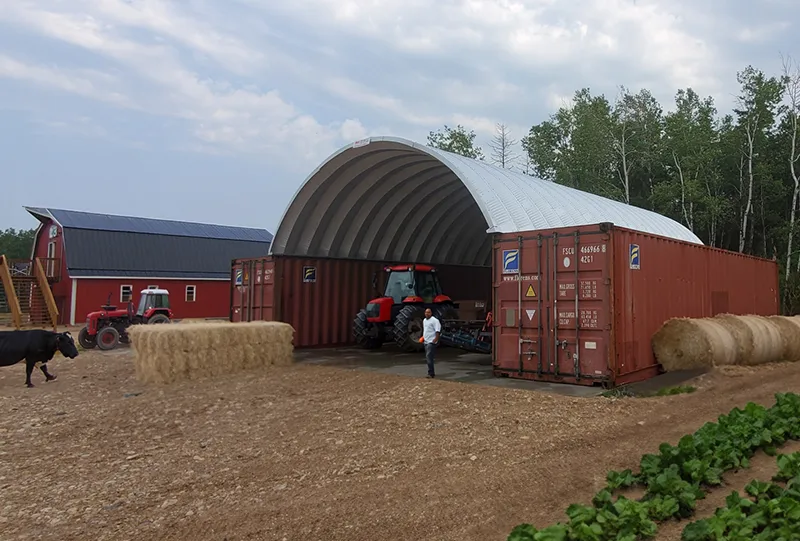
(502, 146)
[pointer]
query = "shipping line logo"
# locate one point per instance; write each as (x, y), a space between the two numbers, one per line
(633, 251)
(309, 275)
(238, 277)
(510, 261)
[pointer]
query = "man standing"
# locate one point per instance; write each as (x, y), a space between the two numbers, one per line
(431, 330)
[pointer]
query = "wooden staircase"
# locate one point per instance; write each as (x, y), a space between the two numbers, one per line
(26, 299)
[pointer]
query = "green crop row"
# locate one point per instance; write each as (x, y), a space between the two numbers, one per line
(675, 478)
(771, 513)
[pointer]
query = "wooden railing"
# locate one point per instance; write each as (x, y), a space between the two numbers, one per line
(26, 295)
(26, 267)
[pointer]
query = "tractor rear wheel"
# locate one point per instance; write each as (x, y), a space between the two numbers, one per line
(107, 338)
(86, 341)
(158, 318)
(445, 312)
(408, 328)
(367, 336)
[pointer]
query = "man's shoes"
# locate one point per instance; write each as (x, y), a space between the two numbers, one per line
(429, 376)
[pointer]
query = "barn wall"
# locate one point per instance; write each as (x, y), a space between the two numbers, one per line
(212, 296)
(62, 290)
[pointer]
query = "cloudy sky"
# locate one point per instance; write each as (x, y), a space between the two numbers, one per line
(217, 110)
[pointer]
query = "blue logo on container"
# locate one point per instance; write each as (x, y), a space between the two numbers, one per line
(309, 274)
(633, 252)
(510, 261)
(238, 280)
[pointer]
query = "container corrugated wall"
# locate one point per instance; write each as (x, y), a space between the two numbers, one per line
(321, 297)
(627, 284)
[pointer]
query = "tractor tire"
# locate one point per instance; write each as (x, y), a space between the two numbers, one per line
(158, 318)
(408, 329)
(364, 335)
(107, 338)
(86, 341)
(445, 312)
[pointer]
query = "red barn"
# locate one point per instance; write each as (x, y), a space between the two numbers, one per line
(92, 256)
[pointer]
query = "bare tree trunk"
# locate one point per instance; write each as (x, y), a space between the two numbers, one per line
(688, 213)
(748, 209)
(792, 73)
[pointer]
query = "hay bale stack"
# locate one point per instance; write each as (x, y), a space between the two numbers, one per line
(789, 328)
(170, 353)
(686, 343)
(726, 339)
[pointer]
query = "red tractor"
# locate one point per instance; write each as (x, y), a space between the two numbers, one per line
(108, 327)
(397, 315)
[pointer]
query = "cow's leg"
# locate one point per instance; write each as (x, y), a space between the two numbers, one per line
(28, 371)
(47, 375)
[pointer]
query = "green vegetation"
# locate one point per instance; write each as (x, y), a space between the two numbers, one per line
(17, 244)
(676, 477)
(770, 512)
(625, 392)
(732, 177)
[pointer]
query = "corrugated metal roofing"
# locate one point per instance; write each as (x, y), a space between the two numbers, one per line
(127, 224)
(113, 253)
(391, 199)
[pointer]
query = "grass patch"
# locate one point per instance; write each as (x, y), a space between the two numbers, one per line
(626, 392)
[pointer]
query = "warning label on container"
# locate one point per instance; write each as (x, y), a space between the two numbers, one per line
(530, 313)
(530, 292)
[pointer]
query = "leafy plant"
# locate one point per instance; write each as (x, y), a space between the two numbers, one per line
(674, 480)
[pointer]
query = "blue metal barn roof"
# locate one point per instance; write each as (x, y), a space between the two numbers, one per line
(103, 245)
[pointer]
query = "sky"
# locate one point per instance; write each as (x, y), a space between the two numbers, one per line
(216, 111)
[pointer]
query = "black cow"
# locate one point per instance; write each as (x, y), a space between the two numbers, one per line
(35, 346)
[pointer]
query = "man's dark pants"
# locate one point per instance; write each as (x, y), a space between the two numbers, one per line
(430, 352)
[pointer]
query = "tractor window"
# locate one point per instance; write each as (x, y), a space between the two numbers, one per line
(427, 286)
(399, 286)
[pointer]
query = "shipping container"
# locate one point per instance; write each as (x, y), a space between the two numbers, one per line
(321, 297)
(580, 305)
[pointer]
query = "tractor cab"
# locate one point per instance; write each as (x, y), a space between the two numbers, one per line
(409, 284)
(152, 300)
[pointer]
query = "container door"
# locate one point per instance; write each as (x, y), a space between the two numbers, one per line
(553, 306)
(579, 318)
(519, 344)
(263, 291)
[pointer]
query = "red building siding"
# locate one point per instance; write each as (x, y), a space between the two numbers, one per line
(212, 297)
(580, 305)
(62, 290)
(321, 309)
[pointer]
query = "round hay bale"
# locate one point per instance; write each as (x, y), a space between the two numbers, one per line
(742, 334)
(767, 341)
(685, 343)
(789, 328)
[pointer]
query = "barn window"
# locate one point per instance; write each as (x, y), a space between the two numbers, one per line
(125, 293)
(152, 287)
(191, 291)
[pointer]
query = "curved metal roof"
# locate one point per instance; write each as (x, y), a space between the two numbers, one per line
(390, 199)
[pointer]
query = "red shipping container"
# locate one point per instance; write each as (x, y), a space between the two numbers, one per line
(580, 305)
(321, 297)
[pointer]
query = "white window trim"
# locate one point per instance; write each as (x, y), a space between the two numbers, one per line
(122, 288)
(194, 293)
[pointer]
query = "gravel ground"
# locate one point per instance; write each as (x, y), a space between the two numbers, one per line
(318, 453)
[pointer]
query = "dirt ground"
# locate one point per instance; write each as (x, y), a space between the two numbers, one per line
(321, 453)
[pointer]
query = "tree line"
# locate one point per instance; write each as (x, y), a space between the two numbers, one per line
(733, 178)
(17, 243)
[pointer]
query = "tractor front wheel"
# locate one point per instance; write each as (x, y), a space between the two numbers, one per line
(85, 340)
(408, 328)
(107, 338)
(367, 336)
(158, 318)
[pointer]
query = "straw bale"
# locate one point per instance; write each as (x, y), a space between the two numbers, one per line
(789, 328)
(742, 333)
(170, 353)
(685, 343)
(767, 340)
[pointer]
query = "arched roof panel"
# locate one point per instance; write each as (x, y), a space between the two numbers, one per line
(391, 199)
